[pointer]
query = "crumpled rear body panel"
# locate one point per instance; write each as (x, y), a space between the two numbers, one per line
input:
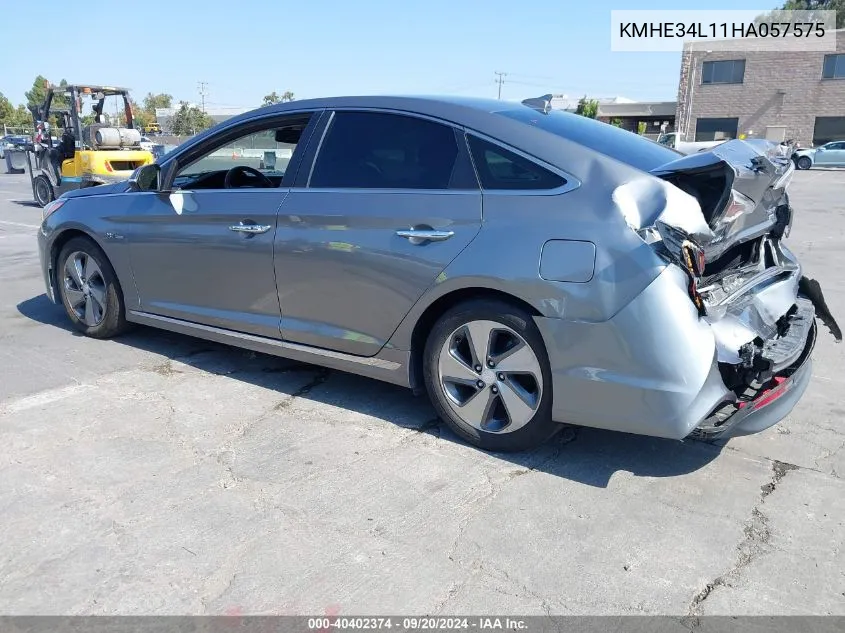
(736, 358)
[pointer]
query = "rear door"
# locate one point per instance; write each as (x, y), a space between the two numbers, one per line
(390, 201)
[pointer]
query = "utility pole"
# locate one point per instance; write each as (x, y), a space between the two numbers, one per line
(201, 86)
(500, 80)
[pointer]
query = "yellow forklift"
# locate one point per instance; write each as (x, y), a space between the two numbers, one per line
(85, 156)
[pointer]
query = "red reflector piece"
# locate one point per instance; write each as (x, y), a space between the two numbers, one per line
(108, 166)
(769, 395)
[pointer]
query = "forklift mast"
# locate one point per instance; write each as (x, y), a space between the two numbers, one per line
(74, 95)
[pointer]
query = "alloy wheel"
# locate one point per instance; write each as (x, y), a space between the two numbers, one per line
(490, 376)
(85, 288)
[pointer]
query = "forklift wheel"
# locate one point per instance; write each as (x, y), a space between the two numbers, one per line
(43, 191)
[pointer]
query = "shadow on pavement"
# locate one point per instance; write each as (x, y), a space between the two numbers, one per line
(587, 456)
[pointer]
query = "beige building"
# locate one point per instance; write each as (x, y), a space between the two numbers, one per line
(778, 95)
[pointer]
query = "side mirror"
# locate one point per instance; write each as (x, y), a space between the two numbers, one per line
(146, 178)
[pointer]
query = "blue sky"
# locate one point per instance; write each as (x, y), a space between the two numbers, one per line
(248, 48)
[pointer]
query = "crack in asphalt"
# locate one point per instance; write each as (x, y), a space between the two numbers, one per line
(321, 375)
(757, 537)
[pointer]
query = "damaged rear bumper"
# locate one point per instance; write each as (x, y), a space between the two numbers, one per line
(765, 406)
(658, 368)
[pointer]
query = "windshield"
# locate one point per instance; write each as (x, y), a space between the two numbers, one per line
(624, 146)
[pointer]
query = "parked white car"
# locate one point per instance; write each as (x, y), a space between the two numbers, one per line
(146, 144)
(828, 155)
(673, 140)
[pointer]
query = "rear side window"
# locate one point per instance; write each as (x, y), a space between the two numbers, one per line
(376, 150)
(499, 168)
(627, 147)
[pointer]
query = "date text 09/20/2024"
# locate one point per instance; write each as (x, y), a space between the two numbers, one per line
(725, 30)
(328, 623)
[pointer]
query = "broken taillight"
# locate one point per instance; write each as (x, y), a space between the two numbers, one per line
(768, 396)
(738, 204)
(694, 261)
(693, 257)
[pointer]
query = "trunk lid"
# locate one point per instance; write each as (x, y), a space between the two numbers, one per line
(741, 188)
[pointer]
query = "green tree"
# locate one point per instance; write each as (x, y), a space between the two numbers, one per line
(587, 107)
(23, 117)
(819, 5)
(188, 120)
(7, 111)
(274, 97)
(271, 98)
(807, 5)
(152, 101)
(642, 126)
(38, 92)
(616, 122)
(142, 117)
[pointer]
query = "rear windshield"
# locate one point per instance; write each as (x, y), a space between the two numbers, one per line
(606, 139)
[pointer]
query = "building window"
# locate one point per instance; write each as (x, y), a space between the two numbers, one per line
(715, 129)
(731, 71)
(834, 67)
(828, 128)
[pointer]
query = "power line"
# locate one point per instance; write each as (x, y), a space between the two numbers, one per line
(500, 80)
(201, 88)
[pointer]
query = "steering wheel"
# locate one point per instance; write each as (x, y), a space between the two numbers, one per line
(239, 170)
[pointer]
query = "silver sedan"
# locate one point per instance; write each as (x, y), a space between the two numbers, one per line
(524, 266)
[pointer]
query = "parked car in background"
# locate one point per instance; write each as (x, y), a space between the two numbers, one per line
(828, 155)
(673, 140)
(14, 141)
(525, 266)
(147, 144)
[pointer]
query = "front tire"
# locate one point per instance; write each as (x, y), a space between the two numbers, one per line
(487, 374)
(89, 289)
(44, 193)
(803, 162)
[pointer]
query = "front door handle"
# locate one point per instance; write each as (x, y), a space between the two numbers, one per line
(251, 229)
(420, 236)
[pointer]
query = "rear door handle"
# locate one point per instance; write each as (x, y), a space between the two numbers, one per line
(420, 236)
(251, 229)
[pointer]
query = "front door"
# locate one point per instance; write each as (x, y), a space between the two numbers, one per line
(831, 154)
(391, 201)
(202, 250)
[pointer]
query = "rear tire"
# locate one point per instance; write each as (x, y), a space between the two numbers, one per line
(803, 163)
(495, 392)
(44, 193)
(89, 289)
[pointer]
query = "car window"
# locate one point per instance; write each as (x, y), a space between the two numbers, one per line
(499, 168)
(835, 146)
(269, 151)
(377, 150)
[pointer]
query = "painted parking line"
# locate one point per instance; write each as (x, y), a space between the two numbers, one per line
(20, 224)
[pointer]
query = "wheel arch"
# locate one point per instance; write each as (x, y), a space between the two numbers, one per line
(438, 307)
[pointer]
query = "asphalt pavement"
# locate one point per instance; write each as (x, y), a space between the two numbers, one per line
(159, 474)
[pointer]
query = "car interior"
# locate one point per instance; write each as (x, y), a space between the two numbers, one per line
(255, 161)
